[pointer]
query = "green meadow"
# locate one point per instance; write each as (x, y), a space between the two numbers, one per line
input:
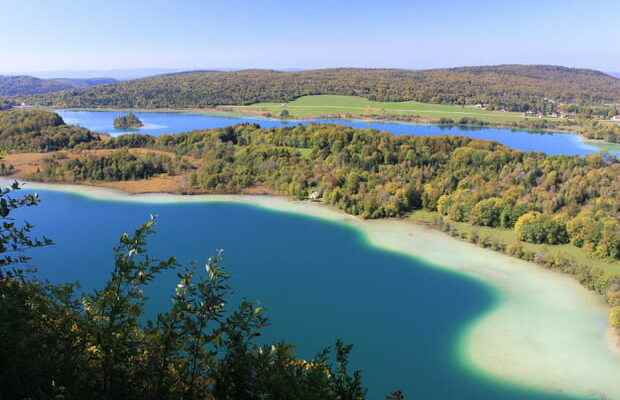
(313, 106)
(604, 146)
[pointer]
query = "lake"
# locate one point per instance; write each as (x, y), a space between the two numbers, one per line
(318, 280)
(158, 123)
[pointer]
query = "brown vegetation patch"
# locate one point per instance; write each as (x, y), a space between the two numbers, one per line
(27, 164)
(259, 190)
(156, 184)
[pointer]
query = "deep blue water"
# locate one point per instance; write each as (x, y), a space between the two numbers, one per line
(318, 281)
(158, 123)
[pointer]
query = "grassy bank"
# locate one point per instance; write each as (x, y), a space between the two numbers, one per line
(604, 146)
(598, 133)
(592, 272)
(313, 106)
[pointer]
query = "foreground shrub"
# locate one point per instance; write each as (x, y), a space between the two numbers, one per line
(487, 212)
(614, 317)
(534, 227)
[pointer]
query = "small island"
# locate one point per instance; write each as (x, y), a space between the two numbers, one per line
(128, 121)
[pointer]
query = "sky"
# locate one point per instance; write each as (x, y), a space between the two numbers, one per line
(78, 35)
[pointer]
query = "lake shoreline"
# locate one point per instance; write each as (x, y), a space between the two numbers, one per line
(582, 141)
(517, 281)
(354, 117)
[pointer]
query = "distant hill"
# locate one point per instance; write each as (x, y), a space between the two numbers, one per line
(85, 83)
(28, 85)
(614, 74)
(118, 74)
(511, 87)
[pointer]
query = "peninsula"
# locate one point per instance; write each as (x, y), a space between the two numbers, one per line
(556, 211)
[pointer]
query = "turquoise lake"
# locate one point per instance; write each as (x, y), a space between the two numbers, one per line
(158, 123)
(318, 281)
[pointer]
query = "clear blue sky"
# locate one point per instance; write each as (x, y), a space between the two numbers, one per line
(96, 34)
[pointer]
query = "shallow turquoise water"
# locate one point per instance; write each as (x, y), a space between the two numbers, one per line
(318, 281)
(158, 123)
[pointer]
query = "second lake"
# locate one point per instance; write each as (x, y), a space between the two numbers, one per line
(159, 123)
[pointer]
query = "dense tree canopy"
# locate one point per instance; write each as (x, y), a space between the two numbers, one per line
(378, 175)
(535, 227)
(121, 165)
(511, 87)
(363, 172)
(39, 131)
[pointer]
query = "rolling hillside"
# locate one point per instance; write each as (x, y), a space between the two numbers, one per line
(510, 87)
(28, 85)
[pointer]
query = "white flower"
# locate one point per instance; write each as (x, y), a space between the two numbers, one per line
(180, 290)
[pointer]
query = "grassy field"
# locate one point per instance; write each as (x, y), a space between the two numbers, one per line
(508, 236)
(312, 106)
(604, 146)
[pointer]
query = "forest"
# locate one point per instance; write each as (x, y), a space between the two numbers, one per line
(510, 87)
(586, 127)
(120, 165)
(39, 131)
(546, 199)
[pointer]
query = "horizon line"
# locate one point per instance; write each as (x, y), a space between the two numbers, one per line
(165, 70)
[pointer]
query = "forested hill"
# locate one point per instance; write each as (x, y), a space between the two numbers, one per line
(512, 87)
(39, 131)
(29, 85)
